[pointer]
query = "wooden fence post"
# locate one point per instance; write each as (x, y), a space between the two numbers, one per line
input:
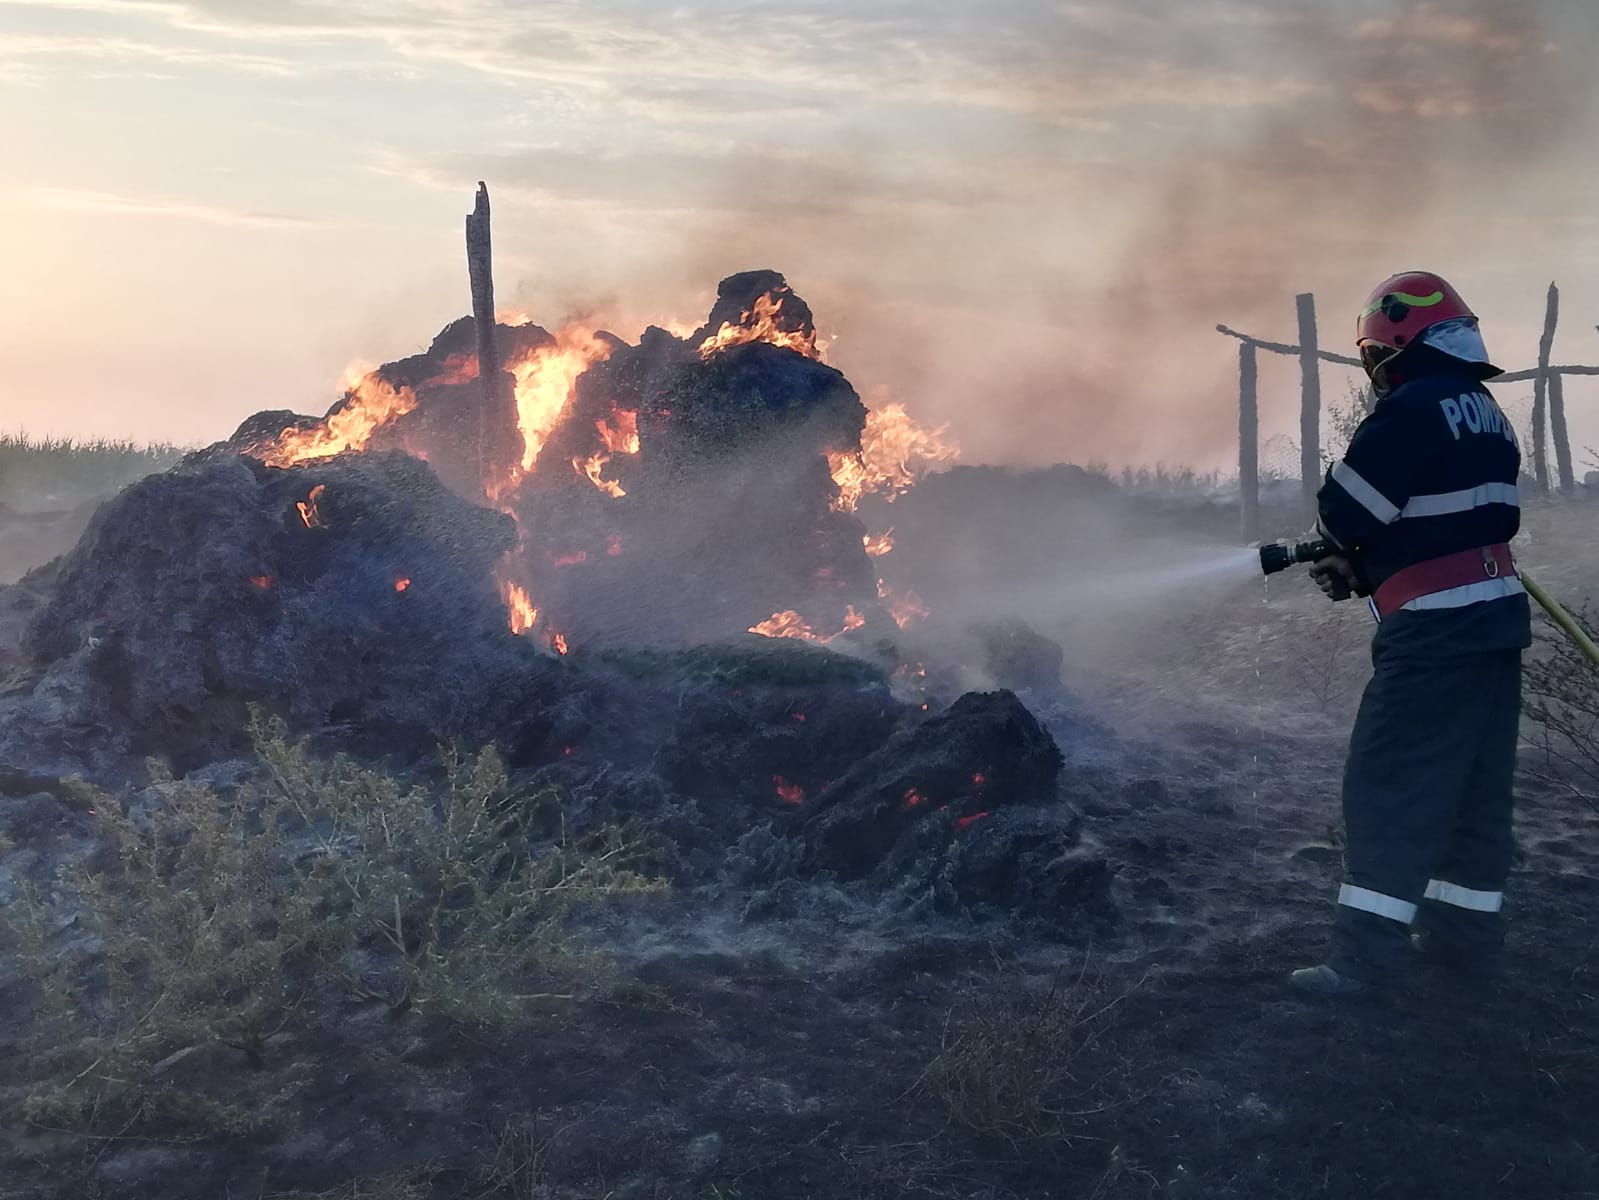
(1249, 441)
(1309, 405)
(1554, 385)
(1540, 391)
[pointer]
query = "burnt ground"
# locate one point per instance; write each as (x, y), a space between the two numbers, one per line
(841, 1050)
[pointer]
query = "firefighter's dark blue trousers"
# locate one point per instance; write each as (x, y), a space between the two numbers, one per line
(1427, 810)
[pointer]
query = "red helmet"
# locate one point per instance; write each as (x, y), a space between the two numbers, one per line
(1400, 309)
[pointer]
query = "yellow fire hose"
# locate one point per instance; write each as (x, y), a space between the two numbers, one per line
(1563, 619)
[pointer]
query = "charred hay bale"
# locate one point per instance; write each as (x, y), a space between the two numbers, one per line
(985, 753)
(355, 589)
(1017, 656)
(761, 728)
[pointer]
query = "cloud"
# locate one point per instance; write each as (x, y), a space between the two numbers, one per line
(16, 47)
(76, 200)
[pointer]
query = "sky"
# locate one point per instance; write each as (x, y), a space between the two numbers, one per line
(1023, 219)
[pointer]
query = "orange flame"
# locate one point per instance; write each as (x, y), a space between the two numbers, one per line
(262, 581)
(759, 324)
(895, 453)
(457, 368)
(559, 642)
(789, 624)
(622, 436)
(788, 793)
(369, 405)
(904, 608)
(545, 380)
(880, 545)
(520, 605)
(590, 469)
(401, 585)
(308, 507)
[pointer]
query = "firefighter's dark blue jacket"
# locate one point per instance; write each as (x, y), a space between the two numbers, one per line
(1432, 471)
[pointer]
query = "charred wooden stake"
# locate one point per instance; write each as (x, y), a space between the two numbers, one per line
(480, 268)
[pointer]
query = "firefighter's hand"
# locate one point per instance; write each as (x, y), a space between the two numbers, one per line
(1335, 576)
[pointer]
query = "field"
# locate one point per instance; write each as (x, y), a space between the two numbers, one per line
(795, 1039)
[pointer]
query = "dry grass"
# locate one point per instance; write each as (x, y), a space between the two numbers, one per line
(208, 921)
(1027, 1065)
(39, 474)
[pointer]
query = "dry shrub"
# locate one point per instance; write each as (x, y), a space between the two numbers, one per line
(1028, 1065)
(1561, 700)
(209, 921)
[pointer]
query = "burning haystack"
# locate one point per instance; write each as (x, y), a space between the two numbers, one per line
(418, 564)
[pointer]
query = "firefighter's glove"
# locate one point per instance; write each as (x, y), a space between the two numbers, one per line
(1335, 576)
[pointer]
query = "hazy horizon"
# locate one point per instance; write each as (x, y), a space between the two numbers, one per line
(1021, 219)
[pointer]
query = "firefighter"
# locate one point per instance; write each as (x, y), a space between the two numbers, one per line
(1421, 510)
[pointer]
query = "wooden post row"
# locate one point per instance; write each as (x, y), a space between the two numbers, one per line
(480, 271)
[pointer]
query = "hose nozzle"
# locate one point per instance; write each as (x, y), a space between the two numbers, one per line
(1280, 556)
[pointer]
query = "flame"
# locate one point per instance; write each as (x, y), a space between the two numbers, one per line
(788, 793)
(545, 380)
(759, 324)
(559, 642)
(512, 317)
(401, 585)
(904, 608)
(590, 469)
(621, 437)
(523, 615)
(895, 452)
(262, 581)
(457, 368)
(368, 406)
(789, 624)
(308, 507)
(880, 545)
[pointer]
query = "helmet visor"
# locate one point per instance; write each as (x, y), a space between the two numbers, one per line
(1458, 338)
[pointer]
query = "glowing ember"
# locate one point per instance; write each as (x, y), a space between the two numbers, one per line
(759, 324)
(965, 823)
(619, 432)
(788, 793)
(523, 615)
(368, 406)
(880, 545)
(613, 545)
(545, 380)
(914, 798)
(904, 608)
(895, 452)
(308, 507)
(559, 642)
(979, 780)
(262, 581)
(800, 717)
(570, 560)
(590, 469)
(790, 624)
(401, 585)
